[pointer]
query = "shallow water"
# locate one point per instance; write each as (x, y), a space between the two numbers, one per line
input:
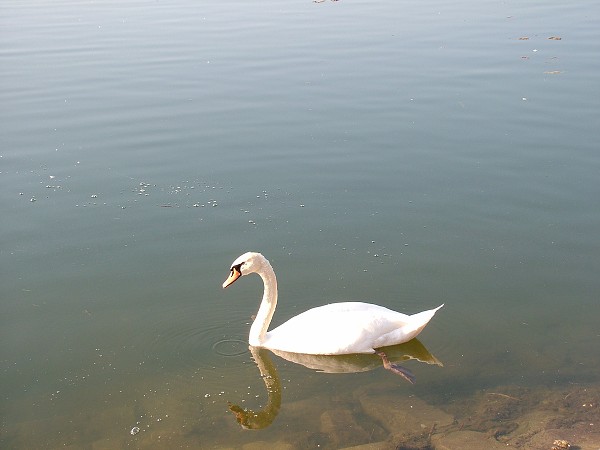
(406, 154)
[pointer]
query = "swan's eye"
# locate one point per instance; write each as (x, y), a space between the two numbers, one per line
(237, 268)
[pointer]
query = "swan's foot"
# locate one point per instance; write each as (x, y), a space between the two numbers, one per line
(396, 368)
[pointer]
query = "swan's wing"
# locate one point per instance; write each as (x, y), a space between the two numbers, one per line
(336, 328)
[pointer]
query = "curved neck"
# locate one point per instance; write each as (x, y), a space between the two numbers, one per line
(259, 327)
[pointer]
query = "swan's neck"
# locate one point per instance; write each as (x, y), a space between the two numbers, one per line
(259, 327)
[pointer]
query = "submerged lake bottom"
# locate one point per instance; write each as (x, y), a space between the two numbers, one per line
(268, 409)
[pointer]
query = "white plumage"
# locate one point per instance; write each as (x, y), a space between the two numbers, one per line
(332, 329)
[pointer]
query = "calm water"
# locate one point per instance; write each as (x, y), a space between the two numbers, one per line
(409, 154)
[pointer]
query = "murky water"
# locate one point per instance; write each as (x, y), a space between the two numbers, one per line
(404, 154)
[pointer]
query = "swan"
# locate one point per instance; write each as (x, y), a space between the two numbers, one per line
(332, 329)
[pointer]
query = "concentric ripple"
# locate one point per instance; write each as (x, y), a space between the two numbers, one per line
(230, 347)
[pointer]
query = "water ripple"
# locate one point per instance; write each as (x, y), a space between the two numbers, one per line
(230, 347)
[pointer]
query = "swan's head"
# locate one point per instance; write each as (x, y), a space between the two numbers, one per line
(250, 262)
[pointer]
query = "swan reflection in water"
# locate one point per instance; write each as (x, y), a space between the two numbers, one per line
(254, 420)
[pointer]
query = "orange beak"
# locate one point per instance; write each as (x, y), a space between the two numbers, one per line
(234, 275)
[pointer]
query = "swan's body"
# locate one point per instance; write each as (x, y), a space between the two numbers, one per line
(333, 329)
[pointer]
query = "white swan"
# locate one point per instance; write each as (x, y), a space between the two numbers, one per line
(333, 329)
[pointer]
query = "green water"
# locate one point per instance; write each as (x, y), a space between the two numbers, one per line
(404, 154)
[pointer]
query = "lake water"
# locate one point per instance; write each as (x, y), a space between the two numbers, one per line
(405, 153)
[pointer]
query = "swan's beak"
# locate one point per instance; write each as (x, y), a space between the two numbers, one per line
(234, 275)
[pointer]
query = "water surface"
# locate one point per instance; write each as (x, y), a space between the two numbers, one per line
(408, 154)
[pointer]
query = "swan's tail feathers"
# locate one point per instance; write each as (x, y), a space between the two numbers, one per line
(419, 320)
(409, 329)
(425, 315)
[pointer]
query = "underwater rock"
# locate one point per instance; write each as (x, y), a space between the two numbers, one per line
(261, 445)
(560, 444)
(341, 427)
(461, 440)
(400, 412)
(532, 419)
(372, 446)
(306, 412)
(580, 437)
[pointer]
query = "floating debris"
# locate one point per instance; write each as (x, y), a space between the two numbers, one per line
(134, 431)
(555, 38)
(560, 444)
